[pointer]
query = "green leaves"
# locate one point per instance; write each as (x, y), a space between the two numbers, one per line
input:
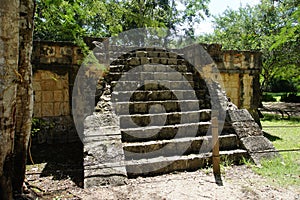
(272, 28)
(70, 20)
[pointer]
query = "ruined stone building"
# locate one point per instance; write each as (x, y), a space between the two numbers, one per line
(123, 135)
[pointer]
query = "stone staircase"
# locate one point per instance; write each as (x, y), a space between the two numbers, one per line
(163, 129)
(154, 116)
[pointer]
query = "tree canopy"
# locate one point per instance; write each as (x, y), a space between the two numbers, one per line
(73, 19)
(271, 27)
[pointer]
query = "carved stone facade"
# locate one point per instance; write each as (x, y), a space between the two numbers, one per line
(156, 119)
(55, 65)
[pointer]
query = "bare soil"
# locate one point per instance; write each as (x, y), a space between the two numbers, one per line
(57, 174)
(237, 182)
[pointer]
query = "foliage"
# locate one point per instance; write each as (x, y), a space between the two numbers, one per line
(291, 98)
(280, 85)
(271, 27)
(39, 124)
(73, 20)
(268, 98)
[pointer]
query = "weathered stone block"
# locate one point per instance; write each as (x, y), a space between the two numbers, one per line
(163, 61)
(47, 109)
(173, 76)
(47, 85)
(66, 108)
(66, 95)
(187, 76)
(165, 83)
(134, 61)
(104, 156)
(171, 106)
(149, 68)
(172, 61)
(189, 106)
(205, 115)
(259, 148)
(47, 96)
(164, 95)
(58, 96)
(161, 68)
(145, 60)
(66, 51)
(172, 55)
(256, 143)
(182, 68)
(37, 96)
(163, 54)
(241, 115)
(151, 85)
(153, 54)
(141, 53)
(160, 76)
(154, 60)
(58, 110)
(178, 94)
(37, 110)
(36, 84)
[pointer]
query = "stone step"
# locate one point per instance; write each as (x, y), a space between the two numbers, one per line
(182, 68)
(159, 117)
(122, 85)
(192, 162)
(157, 95)
(136, 107)
(177, 146)
(136, 61)
(166, 132)
(140, 76)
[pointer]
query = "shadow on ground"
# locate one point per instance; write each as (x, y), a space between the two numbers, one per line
(272, 138)
(63, 161)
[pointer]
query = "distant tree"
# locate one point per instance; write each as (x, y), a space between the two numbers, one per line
(271, 27)
(72, 20)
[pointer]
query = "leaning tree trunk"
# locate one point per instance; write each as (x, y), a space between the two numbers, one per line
(9, 54)
(24, 94)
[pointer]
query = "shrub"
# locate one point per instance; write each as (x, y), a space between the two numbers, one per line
(281, 85)
(291, 98)
(268, 98)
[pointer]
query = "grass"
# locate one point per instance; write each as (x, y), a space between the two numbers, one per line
(278, 95)
(284, 170)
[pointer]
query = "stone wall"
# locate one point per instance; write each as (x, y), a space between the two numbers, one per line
(51, 94)
(240, 72)
(55, 65)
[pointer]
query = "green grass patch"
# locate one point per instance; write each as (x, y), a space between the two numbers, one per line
(284, 134)
(283, 171)
(268, 96)
(276, 96)
(277, 120)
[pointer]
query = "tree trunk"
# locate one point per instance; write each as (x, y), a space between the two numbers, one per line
(24, 95)
(9, 54)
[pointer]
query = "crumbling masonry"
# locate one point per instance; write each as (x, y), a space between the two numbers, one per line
(162, 125)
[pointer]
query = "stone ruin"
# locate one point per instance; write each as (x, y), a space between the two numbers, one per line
(153, 116)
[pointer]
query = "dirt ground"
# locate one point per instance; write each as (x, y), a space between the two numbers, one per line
(237, 182)
(57, 175)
